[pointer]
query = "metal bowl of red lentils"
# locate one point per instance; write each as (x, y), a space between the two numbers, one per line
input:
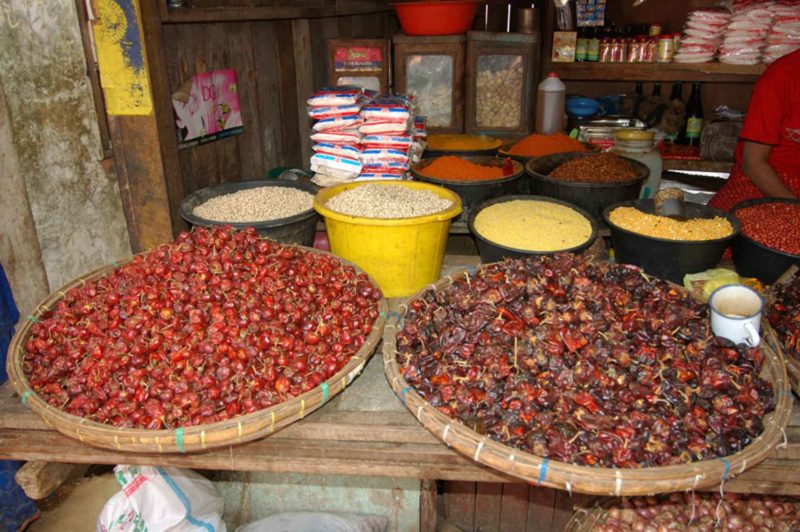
(590, 181)
(769, 243)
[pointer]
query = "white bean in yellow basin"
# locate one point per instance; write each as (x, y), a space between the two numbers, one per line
(532, 225)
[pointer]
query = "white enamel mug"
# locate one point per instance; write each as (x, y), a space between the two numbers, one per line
(736, 314)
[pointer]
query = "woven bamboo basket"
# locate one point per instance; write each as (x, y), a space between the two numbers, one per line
(792, 364)
(186, 439)
(585, 479)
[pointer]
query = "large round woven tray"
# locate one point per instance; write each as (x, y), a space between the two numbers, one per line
(585, 479)
(187, 439)
(792, 364)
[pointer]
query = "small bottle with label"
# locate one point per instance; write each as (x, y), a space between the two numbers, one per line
(582, 46)
(694, 116)
(593, 46)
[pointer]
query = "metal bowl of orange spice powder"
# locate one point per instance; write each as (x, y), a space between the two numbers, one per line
(474, 179)
(538, 145)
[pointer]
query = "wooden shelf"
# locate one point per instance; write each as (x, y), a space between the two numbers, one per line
(697, 166)
(709, 72)
(327, 8)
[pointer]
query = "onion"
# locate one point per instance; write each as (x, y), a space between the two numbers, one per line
(639, 524)
(614, 513)
(735, 522)
(650, 528)
(769, 503)
(628, 516)
(769, 522)
(777, 510)
(757, 520)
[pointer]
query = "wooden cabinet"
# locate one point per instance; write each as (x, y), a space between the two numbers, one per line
(432, 70)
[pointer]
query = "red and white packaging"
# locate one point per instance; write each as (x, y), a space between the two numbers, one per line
(784, 36)
(335, 96)
(372, 127)
(339, 150)
(702, 35)
(321, 113)
(379, 156)
(745, 35)
(386, 141)
(349, 137)
(338, 123)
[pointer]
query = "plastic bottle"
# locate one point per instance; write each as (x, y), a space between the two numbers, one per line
(550, 105)
(638, 144)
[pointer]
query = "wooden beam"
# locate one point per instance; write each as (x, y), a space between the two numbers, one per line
(427, 506)
(39, 479)
(304, 82)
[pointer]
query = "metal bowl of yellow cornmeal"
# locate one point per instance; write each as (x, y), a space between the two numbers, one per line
(520, 226)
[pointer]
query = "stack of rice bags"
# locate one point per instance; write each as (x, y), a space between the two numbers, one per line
(388, 145)
(746, 33)
(784, 36)
(702, 35)
(336, 135)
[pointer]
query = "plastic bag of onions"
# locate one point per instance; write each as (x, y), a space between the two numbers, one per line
(695, 513)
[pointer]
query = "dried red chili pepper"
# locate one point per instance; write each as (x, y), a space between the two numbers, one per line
(587, 363)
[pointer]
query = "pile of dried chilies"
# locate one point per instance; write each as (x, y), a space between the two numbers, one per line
(784, 315)
(586, 363)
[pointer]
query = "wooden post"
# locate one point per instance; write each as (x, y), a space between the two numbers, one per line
(304, 76)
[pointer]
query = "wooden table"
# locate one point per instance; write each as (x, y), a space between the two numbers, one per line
(363, 431)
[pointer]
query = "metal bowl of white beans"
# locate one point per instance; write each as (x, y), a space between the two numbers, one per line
(281, 210)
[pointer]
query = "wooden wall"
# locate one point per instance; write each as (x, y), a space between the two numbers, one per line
(500, 507)
(278, 63)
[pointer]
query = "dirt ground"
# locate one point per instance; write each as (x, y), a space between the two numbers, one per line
(77, 508)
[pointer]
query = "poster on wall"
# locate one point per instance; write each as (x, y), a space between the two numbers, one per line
(207, 107)
(121, 57)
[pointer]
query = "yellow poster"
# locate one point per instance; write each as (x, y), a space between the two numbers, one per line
(120, 55)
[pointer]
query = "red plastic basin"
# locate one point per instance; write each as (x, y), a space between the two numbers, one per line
(435, 18)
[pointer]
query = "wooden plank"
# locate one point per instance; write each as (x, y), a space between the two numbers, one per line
(541, 502)
(290, 154)
(304, 83)
(267, 88)
(427, 506)
(140, 171)
(459, 503)
(248, 13)
(488, 506)
(163, 143)
(697, 166)
(707, 72)
(246, 43)
(39, 479)
(563, 508)
(514, 512)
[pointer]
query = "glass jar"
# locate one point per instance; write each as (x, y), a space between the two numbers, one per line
(639, 145)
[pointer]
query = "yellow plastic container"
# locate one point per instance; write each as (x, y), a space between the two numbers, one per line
(402, 255)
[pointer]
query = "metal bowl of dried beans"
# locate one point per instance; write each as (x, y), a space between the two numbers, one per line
(770, 239)
(591, 181)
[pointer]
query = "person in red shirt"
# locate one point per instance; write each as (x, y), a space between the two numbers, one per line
(767, 157)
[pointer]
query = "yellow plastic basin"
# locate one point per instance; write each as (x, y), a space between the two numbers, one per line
(402, 255)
